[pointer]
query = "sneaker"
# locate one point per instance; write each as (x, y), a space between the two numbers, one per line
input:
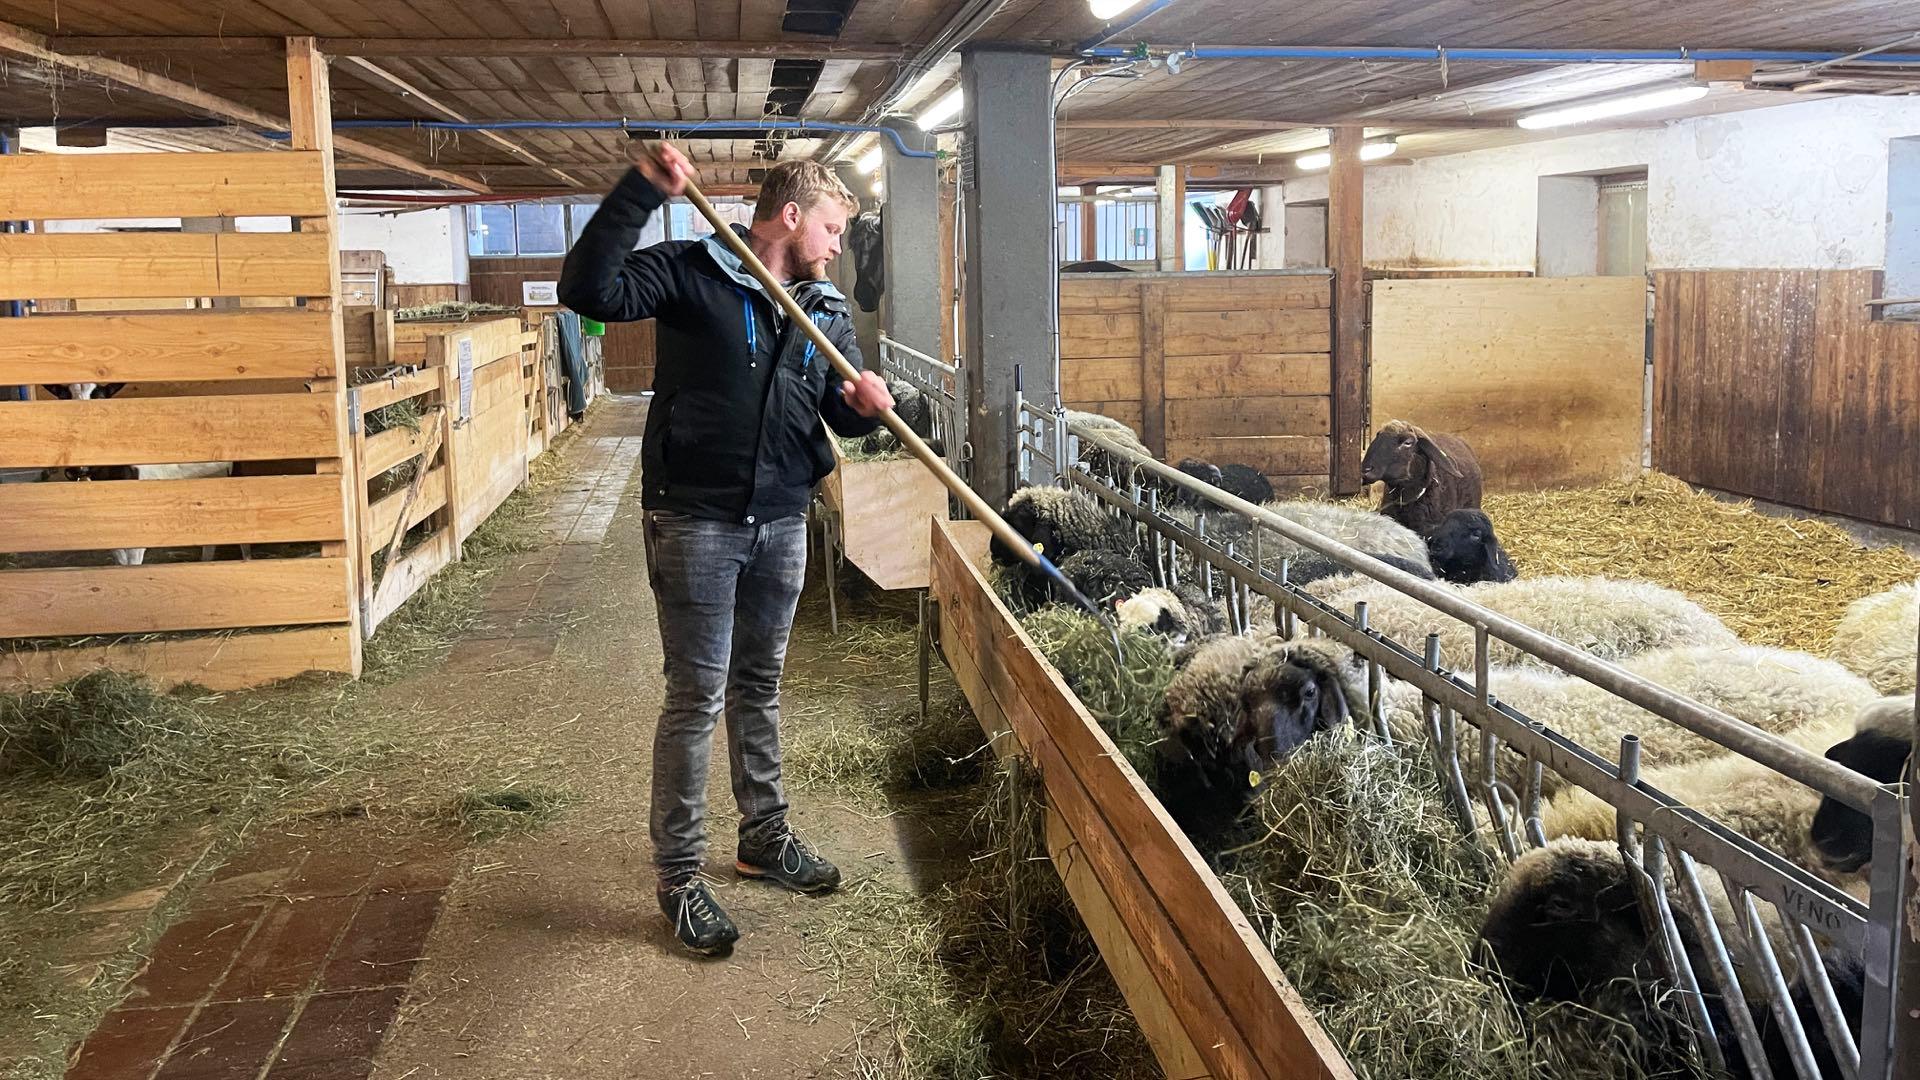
(698, 920)
(785, 858)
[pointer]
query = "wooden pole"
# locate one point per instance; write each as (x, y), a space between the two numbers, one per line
(916, 446)
(1346, 255)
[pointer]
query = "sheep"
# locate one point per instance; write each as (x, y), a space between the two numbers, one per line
(1106, 576)
(913, 408)
(1355, 528)
(1246, 482)
(1426, 476)
(1877, 748)
(1110, 429)
(1180, 614)
(1059, 523)
(1774, 690)
(1465, 550)
(1242, 703)
(1566, 925)
(1608, 618)
(1877, 635)
(1204, 471)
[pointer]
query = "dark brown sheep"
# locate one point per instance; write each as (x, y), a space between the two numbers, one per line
(1427, 476)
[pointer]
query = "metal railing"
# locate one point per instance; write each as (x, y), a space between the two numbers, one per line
(1661, 839)
(945, 388)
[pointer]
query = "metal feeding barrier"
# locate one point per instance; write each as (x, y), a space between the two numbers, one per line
(1668, 846)
(945, 388)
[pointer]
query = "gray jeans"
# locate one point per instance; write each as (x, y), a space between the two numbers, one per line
(725, 594)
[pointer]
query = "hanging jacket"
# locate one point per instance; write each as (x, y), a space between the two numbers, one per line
(737, 430)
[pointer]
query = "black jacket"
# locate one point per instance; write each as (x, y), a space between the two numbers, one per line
(735, 431)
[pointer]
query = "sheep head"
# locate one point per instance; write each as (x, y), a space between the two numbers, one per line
(1290, 693)
(1402, 453)
(1566, 924)
(1465, 550)
(1842, 835)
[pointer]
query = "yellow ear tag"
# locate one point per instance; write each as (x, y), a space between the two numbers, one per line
(1253, 778)
(1040, 548)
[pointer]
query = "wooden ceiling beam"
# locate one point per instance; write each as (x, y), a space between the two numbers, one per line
(485, 47)
(19, 41)
(368, 71)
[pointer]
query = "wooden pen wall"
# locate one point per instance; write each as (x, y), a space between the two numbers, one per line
(1231, 368)
(286, 609)
(1780, 384)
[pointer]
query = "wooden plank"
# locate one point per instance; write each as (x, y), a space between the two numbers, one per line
(883, 516)
(377, 522)
(84, 265)
(1346, 198)
(169, 513)
(379, 395)
(1098, 293)
(384, 450)
(75, 602)
(1255, 374)
(1276, 455)
(1544, 377)
(1127, 412)
(405, 577)
(1110, 378)
(144, 431)
(71, 186)
(1195, 292)
(212, 345)
(1245, 1020)
(1267, 330)
(217, 662)
(1243, 416)
(1099, 335)
(1153, 365)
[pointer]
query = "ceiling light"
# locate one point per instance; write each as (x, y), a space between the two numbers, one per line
(1369, 151)
(870, 161)
(879, 186)
(1107, 9)
(1600, 110)
(943, 110)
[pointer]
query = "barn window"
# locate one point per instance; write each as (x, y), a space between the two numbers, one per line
(541, 228)
(1903, 228)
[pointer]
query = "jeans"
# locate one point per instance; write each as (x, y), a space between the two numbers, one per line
(726, 595)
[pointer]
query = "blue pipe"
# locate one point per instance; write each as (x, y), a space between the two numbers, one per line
(626, 125)
(1113, 30)
(1556, 56)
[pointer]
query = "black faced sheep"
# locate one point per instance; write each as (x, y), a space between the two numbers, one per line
(1240, 481)
(1059, 524)
(1608, 618)
(1106, 576)
(1180, 614)
(1240, 704)
(1464, 550)
(914, 410)
(1426, 476)
(1566, 925)
(1204, 471)
(1775, 690)
(1878, 749)
(1877, 636)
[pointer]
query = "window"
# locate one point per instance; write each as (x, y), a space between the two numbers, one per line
(541, 228)
(548, 229)
(579, 214)
(490, 230)
(1902, 280)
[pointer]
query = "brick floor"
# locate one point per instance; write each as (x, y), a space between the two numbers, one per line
(583, 510)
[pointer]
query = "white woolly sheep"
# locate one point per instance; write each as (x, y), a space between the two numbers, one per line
(1876, 638)
(1109, 428)
(1180, 614)
(1772, 689)
(1240, 704)
(1608, 618)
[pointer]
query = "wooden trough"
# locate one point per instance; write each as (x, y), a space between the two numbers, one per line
(1205, 990)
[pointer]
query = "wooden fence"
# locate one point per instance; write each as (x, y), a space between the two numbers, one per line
(1206, 992)
(293, 605)
(1229, 367)
(1780, 384)
(1544, 377)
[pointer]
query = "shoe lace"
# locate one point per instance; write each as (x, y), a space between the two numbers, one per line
(801, 852)
(695, 903)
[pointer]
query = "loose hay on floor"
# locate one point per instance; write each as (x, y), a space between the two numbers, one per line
(1774, 581)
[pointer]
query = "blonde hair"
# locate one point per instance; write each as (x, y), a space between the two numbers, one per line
(801, 181)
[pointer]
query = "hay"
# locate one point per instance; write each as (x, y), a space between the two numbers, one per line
(87, 728)
(1775, 581)
(1124, 697)
(489, 813)
(1370, 900)
(855, 449)
(452, 311)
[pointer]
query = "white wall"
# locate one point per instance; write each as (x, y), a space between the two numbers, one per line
(1801, 186)
(424, 247)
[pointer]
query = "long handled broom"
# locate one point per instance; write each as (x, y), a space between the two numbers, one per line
(971, 499)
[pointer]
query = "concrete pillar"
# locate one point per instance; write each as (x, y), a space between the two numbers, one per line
(910, 308)
(1008, 188)
(866, 324)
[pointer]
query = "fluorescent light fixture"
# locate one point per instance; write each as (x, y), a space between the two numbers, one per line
(879, 187)
(1107, 9)
(869, 161)
(1369, 151)
(1601, 110)
(943, 110)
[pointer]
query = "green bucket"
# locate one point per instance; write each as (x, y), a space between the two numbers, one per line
(592, 328)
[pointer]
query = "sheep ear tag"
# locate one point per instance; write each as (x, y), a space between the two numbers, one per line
(1253, 778)
(1040, 548)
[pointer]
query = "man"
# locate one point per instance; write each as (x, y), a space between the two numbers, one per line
(734, 445)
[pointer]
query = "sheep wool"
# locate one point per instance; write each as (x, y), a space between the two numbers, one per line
(1876, 638)
(1075, 518)
(1607, 618)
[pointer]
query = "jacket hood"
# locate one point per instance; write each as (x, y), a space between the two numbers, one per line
(730, 265)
